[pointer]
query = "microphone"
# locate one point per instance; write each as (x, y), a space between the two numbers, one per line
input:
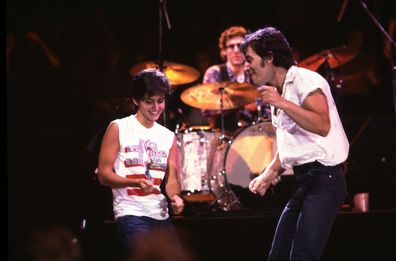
(342, 11)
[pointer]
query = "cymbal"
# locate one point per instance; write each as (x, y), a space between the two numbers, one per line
(176, 73)
(207, 96)
(334, 57)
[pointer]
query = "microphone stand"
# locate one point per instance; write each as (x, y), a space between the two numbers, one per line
(387, 36)
(379, 26)
(162, 11)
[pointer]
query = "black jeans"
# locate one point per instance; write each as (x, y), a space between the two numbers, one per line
(305, 223)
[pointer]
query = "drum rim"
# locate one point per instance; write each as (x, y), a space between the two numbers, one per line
(238, 132)
(203, 128)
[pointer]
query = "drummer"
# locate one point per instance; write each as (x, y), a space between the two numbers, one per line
(231, 70)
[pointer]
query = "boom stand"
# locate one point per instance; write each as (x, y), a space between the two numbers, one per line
(162, 9)
(387, 36)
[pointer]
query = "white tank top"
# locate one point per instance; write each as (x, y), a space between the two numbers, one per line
(138, 145)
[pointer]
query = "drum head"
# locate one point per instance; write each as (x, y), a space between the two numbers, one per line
(250, 152)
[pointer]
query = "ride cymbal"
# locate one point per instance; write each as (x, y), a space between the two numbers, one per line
(176, 73)
(208, 96)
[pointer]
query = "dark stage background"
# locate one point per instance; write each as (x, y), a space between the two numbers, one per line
(60, 102)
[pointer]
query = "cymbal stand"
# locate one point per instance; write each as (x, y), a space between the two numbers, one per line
(228, 193)
(162, 10)
(221, 90)
(222, 137)
(260, 108)
(335, 87)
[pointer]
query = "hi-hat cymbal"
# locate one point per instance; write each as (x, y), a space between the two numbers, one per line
(176, 73)
(334, 57)
(207, 96)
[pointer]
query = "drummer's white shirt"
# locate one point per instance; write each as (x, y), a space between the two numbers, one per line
(297, 146)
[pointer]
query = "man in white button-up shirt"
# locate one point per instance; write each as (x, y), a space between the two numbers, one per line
(310, 139)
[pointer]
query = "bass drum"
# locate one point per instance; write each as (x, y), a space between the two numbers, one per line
(250, 152)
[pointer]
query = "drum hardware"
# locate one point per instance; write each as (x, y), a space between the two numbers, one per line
(221, 91)
(202, 139)
(227, 199)
(263, 111)
(222, 137)
(260, 109)
(183, 122)
(216, 96)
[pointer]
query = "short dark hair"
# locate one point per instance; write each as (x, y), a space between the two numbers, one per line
(267, 42)
(149, 82)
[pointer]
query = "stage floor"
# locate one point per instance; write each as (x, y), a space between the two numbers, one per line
(247, 235)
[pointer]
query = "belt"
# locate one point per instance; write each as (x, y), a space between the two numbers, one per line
(306, 167)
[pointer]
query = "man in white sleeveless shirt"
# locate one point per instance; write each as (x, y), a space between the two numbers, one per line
(310, 139)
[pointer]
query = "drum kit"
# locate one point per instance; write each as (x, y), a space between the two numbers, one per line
(211, 162)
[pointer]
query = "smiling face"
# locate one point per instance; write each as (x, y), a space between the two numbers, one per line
(150, 109)
(260, 70)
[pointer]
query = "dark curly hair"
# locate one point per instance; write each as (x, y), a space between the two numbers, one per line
(270, 42)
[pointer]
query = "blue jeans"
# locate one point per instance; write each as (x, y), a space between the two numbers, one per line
(132, 228)
(305, 223)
